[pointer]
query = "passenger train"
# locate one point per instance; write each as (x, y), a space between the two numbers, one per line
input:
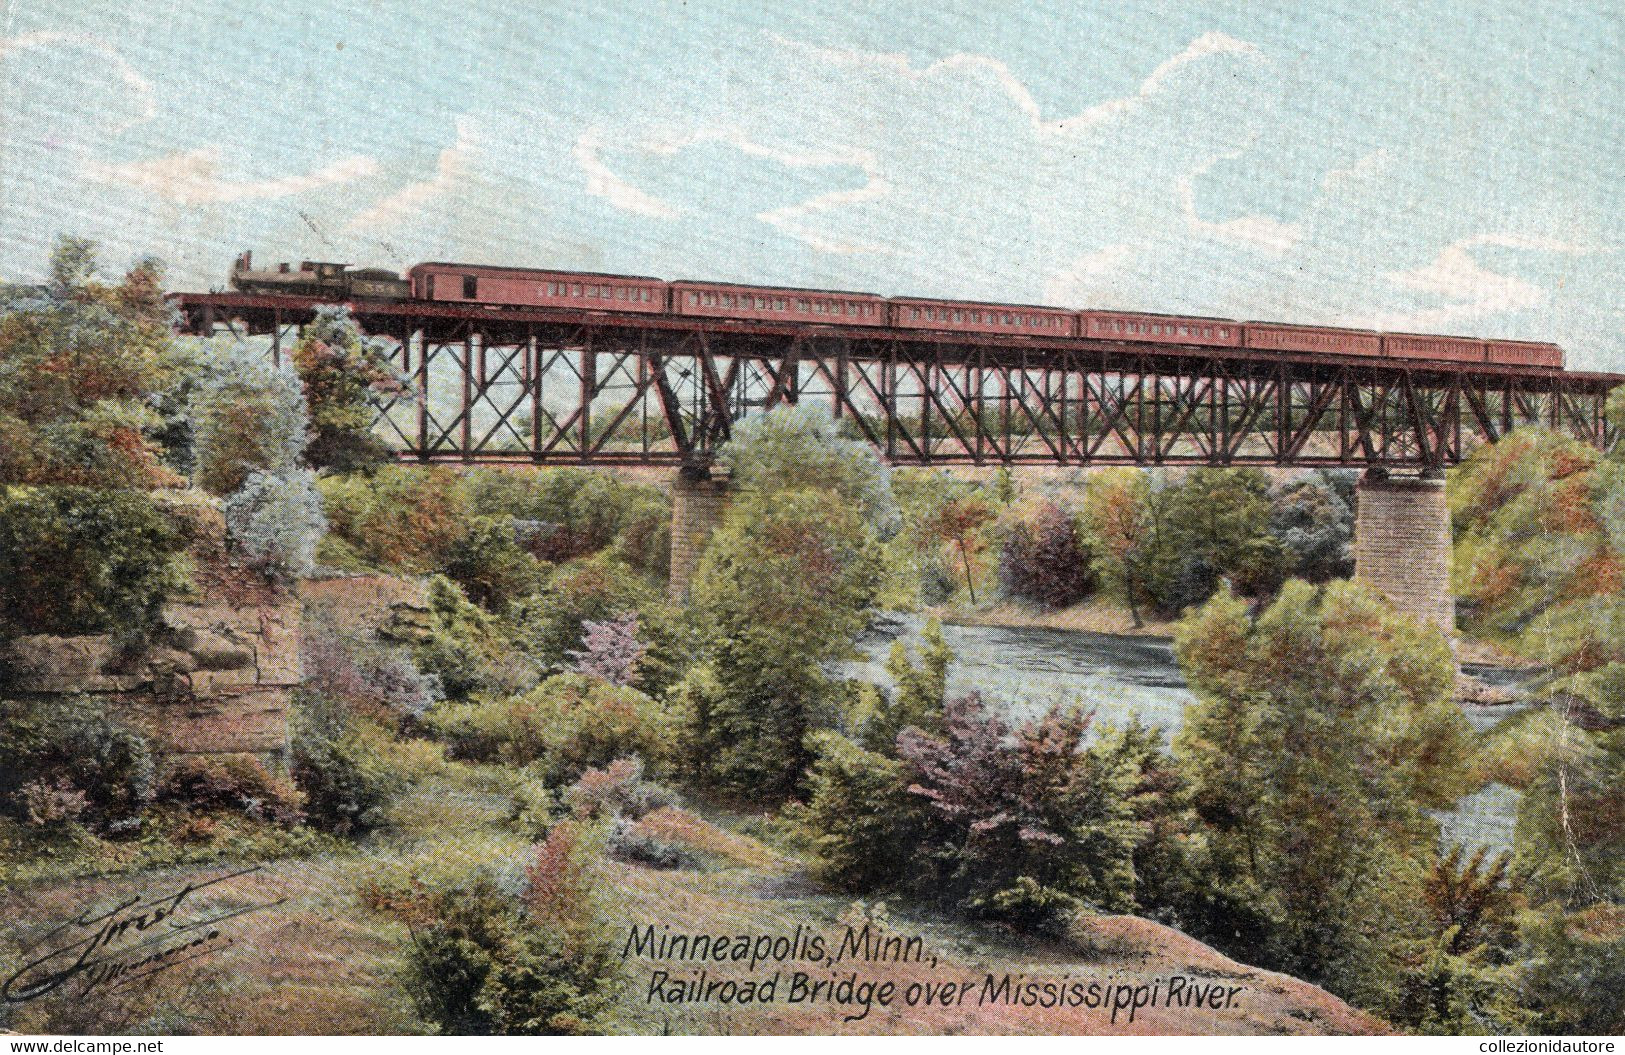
(507, 287)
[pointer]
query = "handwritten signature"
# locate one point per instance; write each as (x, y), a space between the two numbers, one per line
(134, 940)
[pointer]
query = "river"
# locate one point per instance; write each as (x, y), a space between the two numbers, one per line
(1026, 669)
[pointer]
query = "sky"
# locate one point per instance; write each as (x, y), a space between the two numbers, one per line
(1450, 167)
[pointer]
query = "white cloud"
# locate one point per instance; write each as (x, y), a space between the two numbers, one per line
(603, 183)
(1208, 44)
(450, 172)
(1365, 169)
(1089, 276)
(191, 177)
(1253, 230)
(138, 87)
(1472, 290)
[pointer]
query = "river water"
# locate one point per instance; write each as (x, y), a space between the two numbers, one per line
(1027, 669)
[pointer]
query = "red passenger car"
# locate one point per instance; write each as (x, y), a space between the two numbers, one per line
(526, 287)
(725, 300)
(1526, 353)
(911, 313)
(1426, 346)
(1325, 340)
(1161, 329)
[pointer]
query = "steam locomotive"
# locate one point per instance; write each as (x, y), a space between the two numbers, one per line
(503, 287)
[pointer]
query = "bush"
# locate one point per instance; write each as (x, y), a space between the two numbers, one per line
(347, 377)
(552, 623)
(489, 565)
(1023, 822)
(467, 650)
(248, 416)
(62, 750)
(346, 782)
(75, 560)
(579, 512)
(274, 521)
(405, 518)
(618, 790)
(235, 784)
(1044, 559)
(610, 651)
(480, 964)
(865, 825)
(378, 683)
(626, 842)
(566, 725)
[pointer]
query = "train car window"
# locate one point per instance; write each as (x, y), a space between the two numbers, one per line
(958, 316)
(592, 291)
(470, 287)
(1223, 332)
(803, 307)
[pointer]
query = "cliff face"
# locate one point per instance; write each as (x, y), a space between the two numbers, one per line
(214, 677)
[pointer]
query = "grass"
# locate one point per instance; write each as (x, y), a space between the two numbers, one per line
(321, 961)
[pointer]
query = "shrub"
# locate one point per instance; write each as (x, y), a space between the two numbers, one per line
(552, 622)
(535, 807)
(566, 725)
(579, 512)
(236, 784)
(402, 517)
(346, 377)
(248, 415)
(68, 747)
(489, 565)
(1044, 559)
(75, 560)
(375, 682)
(865, 825)
(1023, 821)
(481, 964)
(626, 842)
(274, 521)
(467, 650)
(346, 782)
(610, 650)
(618, 789)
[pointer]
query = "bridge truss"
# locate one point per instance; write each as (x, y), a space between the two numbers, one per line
(559, 387)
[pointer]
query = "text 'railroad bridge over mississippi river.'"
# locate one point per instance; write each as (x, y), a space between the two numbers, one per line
(542, 367)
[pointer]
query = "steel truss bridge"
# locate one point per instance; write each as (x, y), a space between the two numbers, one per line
(565, 387)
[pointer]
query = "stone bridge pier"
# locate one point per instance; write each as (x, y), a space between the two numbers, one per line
(698, 501)
(1402, 543)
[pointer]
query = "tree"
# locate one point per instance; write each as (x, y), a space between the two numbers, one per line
(1043, 559)
(784, 586)
(798, 447)
(1213, 525)
(347, 377)
(82, 362)
(1312, 520)
(248, 416)
(1117, 517)
(958, 523)
(1321, 736)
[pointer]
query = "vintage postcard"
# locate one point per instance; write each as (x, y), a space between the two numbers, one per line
(738, 518)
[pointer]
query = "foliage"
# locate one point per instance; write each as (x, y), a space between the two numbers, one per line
(618, 789)
(346, 781)
(404, 518)
(68, 747)
(1117, 523)
(488, 563)
(865, 824)
(373, 682)
(78, 560)
(1024, 823)
(346, 378)
(784, 586)
(625, 841)
(798, 447)
(1312, 520)
(247, 416)
(81, 365)
(610, 650)
(1323, 731)
(468, 650)
(566, 725)
(1574, 970)
(1042, 557)
(274, 521)
(575, 513)
(918, 693)
(481, 963)
(551, 623)
(928, 571)
(233, 783)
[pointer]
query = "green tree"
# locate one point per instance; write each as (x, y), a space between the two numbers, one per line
(1321, 736)
(793, 448)
(784, 586)
(347, 378)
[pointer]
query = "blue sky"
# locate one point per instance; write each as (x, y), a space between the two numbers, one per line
(1448, 167)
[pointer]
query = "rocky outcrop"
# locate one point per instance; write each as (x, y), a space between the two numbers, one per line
(213, 679)
(387, 607)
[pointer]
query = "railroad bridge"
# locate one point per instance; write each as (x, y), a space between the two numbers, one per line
(550, 387)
